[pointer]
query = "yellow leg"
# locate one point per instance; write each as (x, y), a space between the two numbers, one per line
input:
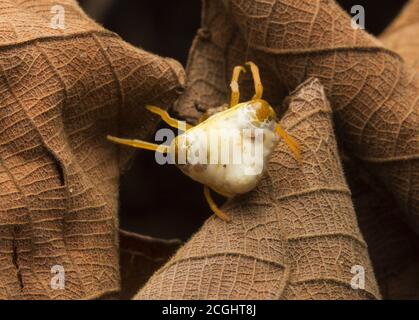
(167, 118)
(290, 142)
(139, 144)
(256, 79)
(234, 85)
(213, 205)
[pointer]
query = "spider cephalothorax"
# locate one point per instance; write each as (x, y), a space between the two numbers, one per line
(227, 151)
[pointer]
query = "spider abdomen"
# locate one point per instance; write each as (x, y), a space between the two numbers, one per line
(228, 152)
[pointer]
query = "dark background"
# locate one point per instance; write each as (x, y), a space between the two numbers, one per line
(159, 200)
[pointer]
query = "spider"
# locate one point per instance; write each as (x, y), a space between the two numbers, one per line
(239, 121)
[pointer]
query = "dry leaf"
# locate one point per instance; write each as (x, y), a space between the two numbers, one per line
(374, 95)
(392, 245)
(62, 91)
(402, 35)
(294, 237)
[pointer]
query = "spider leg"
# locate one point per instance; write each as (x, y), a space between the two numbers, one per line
(213, 205)
(291, 143)
(167, 118)
(256, 79)
(139, 144)
(234, 85)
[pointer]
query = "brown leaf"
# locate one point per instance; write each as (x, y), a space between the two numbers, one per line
(402, 35)
(294, 237)
(392, 245)
(62, 91)
(373, 94)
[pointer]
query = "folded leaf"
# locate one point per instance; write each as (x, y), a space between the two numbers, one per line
(402, 35)
(62, 91)
(294, 237)
(392, 245)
